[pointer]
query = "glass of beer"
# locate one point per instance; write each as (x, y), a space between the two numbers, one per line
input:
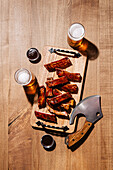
(27, 80)
(33, 55)
(76, 38)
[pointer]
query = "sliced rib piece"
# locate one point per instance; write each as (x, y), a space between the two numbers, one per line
(46, 116)
(62, 63)
(57, 82)
(59, 99)
(56, 112)
(41, 97)
(49, 91)
(71, 88)
(74, 77)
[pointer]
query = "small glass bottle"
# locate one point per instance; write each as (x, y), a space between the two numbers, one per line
(33, 55)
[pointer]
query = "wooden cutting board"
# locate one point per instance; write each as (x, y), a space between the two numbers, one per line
(78, 66)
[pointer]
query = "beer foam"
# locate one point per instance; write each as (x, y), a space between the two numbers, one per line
(76, 32)
(23, 77)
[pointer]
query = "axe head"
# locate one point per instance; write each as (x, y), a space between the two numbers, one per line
(90, 107)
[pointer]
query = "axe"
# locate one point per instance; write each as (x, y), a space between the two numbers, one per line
(89, 107)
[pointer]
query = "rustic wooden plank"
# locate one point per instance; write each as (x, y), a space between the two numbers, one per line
(78, 66)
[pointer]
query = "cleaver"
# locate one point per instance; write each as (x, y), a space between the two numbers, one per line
(89, 107)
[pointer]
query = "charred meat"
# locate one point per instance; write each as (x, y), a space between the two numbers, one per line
(56, 112)
(41, 97)
(57, 82)
(71, 88)
(62, 63)
(46, 116)
(59, 99)
(74, 77)
(49, 91)
(56, 92)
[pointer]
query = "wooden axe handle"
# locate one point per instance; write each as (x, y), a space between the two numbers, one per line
(73, 138)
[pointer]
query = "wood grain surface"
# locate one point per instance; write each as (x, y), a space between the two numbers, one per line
(36, 23)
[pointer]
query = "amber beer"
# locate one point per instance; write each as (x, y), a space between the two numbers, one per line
(27, 80)
(76, 38)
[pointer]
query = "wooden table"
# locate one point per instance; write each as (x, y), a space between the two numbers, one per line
(30, 23)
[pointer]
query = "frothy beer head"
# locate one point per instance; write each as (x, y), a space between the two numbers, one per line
(76, 32)
(23, 76)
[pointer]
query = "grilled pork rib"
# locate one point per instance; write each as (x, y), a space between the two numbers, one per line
(62, 63)
(57, 82)
(41, 97)
(46, 116)
(59, 99)
(74, 77)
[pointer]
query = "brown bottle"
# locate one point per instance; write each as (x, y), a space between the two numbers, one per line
(33, 55)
